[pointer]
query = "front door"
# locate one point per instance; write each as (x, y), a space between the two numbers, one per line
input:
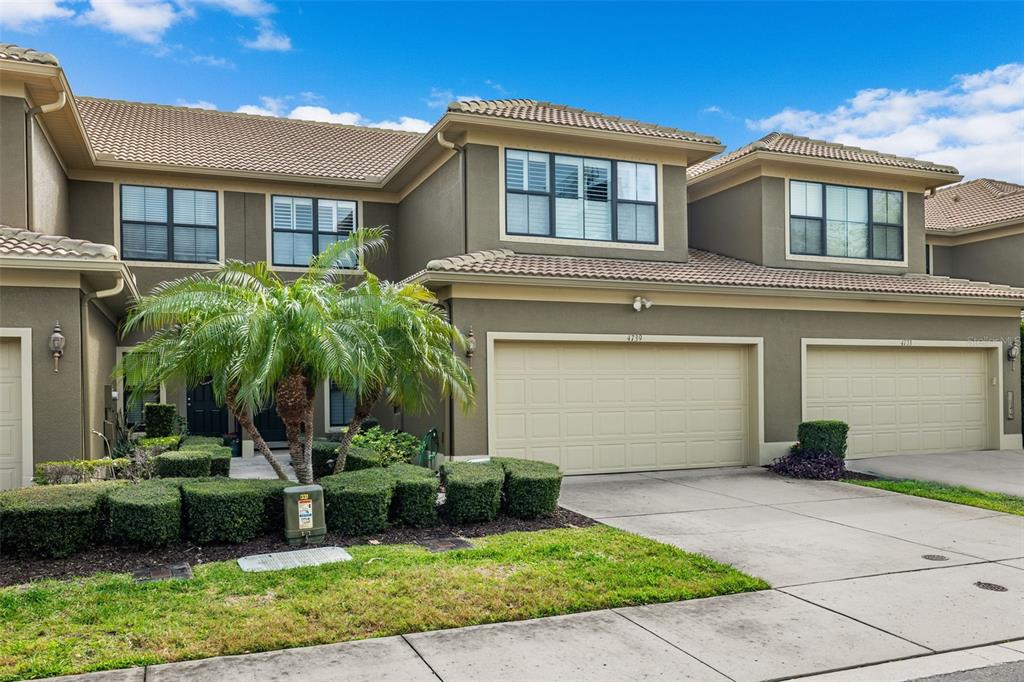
(205, 416)
(269, 424)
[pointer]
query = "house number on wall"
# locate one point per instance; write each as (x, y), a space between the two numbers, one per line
(906, 343)
(634, 338)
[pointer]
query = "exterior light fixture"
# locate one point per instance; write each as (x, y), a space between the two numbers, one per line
(1013, 352)
(470, 344)
(56, 345)
(641, 303)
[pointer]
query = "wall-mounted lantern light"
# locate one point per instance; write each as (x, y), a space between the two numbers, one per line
(641, 303)
(57, 343)
(1013, 352)
(470, 345)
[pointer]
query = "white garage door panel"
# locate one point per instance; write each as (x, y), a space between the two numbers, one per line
(901, 400)
(600, 407)
(10, 413)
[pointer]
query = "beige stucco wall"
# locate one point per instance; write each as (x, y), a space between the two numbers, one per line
(430, 221)
(100, 356)
(49, 187)
(730, 222)
(999, 260)
(91, 207)
(13, 179)
(782, 331)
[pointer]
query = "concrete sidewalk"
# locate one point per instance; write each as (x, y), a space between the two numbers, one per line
(1000, 471)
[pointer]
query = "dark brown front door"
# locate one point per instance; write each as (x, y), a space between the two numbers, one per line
(205, 416)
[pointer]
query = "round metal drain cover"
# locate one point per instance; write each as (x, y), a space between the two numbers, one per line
(992, 587)
(935, 557)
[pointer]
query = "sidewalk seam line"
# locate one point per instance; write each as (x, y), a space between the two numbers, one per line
(418, 654)
(674, 646)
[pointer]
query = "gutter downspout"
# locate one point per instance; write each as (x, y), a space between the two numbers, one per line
(62, 100)
(84, 327)
(447, 144)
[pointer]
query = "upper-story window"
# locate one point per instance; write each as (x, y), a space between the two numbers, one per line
(845, 222)
(158, 223)
(572, 197)
(303, 227)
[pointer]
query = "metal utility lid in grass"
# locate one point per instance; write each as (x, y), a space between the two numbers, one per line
(279, 561)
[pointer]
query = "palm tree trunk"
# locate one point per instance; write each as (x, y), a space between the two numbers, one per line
(362, 411)
(245, 420)
(294, 400)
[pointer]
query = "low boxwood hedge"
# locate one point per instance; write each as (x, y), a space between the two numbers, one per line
(230, 510)
(160, 442)
(220, 456)
(202, 440)
(360, 458)
(53, 520)
(188, 464)
(81, 470)
(531, 488)
(823, 437)
(325, 452)
(159, 419)
(414, 501)
(146, 514)
(472, 491)
(357, 502)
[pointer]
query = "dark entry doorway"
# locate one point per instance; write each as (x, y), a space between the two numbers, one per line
(269, 424)
(205, 416)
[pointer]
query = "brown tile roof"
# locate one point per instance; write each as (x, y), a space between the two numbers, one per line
(559, 114)
(200, 138)
(17, 242)
(705, 268)
(973, 204)
(12, 52)
(784, 143)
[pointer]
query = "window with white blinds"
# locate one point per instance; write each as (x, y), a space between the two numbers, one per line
(163, 224)
(303, 227)
(572, 197)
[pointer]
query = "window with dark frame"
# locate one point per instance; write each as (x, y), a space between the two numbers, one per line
(302, 227)
(845, 222)
(167, 224)
(341, 407)
(574, 197)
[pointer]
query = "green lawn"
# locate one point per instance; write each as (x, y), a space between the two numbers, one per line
(107, 621)
(950, 493)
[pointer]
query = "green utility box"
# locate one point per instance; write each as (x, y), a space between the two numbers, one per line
(304, 520)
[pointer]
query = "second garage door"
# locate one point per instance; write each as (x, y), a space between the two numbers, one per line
(605, 407)
(901, 400)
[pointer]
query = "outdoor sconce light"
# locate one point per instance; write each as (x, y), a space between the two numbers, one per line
(641, 303)
(57, 342)
(470, 344)
(1013, 352)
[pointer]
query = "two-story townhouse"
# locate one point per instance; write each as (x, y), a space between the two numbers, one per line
(633, 305)
(975, 230)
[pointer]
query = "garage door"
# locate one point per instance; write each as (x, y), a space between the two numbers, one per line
(901, 400)
(10, 413)
(604, 407)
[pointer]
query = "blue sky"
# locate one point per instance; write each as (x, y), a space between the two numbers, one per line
(940, 81)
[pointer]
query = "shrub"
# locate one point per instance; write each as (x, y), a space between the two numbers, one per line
(202, 440)
(362, 458)
(145, 514)
(220, 459)
(81, 470)
(160, 419)
(820, 467)
(823, 437)
(325, 452)
(357, 502)
(414, 501)
(531, 488)
(472, 491)
(188, 464)
(392, 446)
(53, 520)
(160, 443)
(227, 510)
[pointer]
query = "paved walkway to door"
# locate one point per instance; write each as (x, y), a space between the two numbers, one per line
(1000, 471)
(257, 466)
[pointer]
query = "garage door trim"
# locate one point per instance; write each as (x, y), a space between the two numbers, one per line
(756, 343)
(24, 335)
(993, 352)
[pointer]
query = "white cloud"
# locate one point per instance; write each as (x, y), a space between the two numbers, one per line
(198, 104)
(276, 106)
(241, 8)
(25, 14)
(715, 109)
(211, 60)
(269, 39)
(143, 20)
(440, 99)
(975, 124)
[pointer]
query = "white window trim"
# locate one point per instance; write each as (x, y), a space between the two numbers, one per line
(169, 263)
(24, 335)
(506, 237)
(756, 445)
(269, 217)
(121, 350)
(994, 349)
(835, 259)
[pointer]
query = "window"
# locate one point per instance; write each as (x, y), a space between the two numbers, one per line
(303, 227)
(572, 197)
(341, 406)
(133, 410)
(845, 222)
(164, 224)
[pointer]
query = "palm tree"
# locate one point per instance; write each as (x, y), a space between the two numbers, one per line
(259, 336)
(420, 361)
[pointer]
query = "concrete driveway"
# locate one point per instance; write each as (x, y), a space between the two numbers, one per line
(1000, 471)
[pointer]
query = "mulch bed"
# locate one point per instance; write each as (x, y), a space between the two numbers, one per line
(858, 476)
(15, 570)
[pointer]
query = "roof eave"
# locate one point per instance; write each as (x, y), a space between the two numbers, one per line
(972, 229)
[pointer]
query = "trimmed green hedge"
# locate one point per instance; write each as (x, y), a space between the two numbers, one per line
(80, 470)
(823, 437)
(146, 514)
(357, 502)
(230, 510)
(159, 419)
(472, 491)
(414, 501)
(220, 456)
(165, 442)
(531, 488)
(202, 440)
(53, 520)
(360, 458)
(325, 452)
(188, 464)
